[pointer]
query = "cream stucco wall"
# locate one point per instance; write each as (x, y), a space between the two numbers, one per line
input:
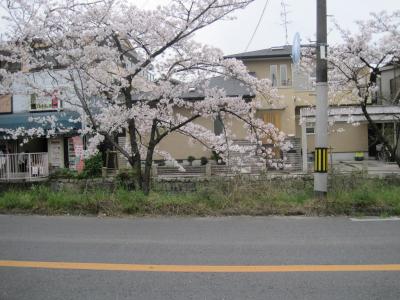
(351, 139)
(289, 97)
(181, 146)
(262, 67)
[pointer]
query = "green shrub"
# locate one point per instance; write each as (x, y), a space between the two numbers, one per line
(64, 173)
(191, 159)
(93, 166)
(203, 160)
(217, 158)
(126, 178)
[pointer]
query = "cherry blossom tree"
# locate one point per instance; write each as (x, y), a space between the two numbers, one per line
(355, 65)
(101, 55)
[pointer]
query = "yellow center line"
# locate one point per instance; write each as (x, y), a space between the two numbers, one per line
(197, 268)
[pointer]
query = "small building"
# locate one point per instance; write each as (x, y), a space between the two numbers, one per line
(37, 135)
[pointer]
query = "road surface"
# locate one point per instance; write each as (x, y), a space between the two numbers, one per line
(198, 258)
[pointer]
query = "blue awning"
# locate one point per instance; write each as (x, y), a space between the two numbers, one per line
(63, 121)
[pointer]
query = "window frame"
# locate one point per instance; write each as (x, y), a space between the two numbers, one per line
(274, 83)
(11, 105)
(283, 82)
(310, 125)
(218, 125)
(33, 99)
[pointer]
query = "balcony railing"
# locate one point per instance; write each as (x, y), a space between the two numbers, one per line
(24, 166)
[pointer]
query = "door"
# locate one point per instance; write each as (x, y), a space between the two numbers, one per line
(273, 117)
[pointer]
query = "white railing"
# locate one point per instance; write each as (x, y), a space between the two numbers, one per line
(24, 166)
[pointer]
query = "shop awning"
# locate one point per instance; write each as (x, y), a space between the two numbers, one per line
(61, 121)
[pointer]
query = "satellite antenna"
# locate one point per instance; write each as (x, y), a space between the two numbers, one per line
(296, 49)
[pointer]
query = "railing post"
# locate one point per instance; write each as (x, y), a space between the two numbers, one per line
(46, 165)
(154, 170)
(29, 165)
(8, 166)
(208, 170)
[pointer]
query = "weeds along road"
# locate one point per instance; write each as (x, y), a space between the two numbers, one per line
(199, 258)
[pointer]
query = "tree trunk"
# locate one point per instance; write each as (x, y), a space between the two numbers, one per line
(136, 159)
(381, 138)
(149, 159)
(146, 183)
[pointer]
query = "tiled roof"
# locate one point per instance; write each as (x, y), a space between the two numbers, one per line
(232, 87)
(273, 52)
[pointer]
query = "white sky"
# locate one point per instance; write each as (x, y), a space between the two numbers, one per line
(233, 36)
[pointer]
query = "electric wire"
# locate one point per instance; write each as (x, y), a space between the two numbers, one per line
(258, 25)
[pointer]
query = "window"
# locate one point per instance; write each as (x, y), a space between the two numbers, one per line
(254, 74)
(283, 75)
(273, 73)
(147, 75)
(45, 102)
(310, 128)
(218, 126)
(5, 104)
(273, 117)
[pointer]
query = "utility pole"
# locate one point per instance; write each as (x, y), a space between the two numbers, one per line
(321, 122)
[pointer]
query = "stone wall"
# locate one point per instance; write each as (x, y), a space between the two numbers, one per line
(184, 185)
(82, 184)
(191, 184)
(169, 184)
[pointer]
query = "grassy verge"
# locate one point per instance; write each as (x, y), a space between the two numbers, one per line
(349, 195)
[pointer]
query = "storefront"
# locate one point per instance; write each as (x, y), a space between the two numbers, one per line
(30, 158)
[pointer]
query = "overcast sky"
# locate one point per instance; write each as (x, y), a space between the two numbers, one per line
(233, 36)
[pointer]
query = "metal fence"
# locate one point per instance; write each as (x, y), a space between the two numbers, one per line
(24, 166)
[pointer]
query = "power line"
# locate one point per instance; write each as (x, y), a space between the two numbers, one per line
(258, 24)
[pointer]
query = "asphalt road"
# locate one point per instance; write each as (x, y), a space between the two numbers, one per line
(231, 241)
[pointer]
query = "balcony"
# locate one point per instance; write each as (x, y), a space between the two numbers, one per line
(24, 167)
(286, 82)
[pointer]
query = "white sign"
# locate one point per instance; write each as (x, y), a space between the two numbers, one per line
(56, 156)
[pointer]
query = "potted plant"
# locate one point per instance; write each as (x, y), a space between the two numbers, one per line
(359, 156)
(215, 156)
(190, 159)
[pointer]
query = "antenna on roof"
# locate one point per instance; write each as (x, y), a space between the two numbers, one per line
(284, 17)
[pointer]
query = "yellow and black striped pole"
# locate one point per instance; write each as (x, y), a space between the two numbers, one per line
(321, 160)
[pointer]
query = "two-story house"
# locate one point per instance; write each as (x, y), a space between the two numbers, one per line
(292, 114)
